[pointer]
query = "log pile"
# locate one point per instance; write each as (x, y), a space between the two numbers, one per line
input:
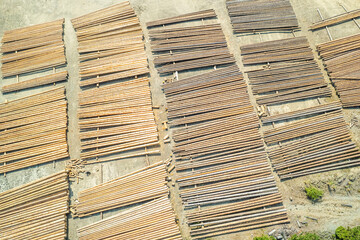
(185, 48)
(305, 127)
(153, 220)
(218, 150)
(261, 15)
(341, 59)
(36, 210)
(325, 145)
(140, 186)
(336, 19)
(322, 108)
(35, 82)
(238, 216)
(33, 130)
(115, 117)
(287, 50)
(292, 74)
(111, 45)
(210, 13)
(295, 76)
(31, 49)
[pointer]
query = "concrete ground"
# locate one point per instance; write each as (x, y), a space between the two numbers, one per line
(330, 214)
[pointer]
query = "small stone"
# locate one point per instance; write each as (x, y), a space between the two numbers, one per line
(279, 237)
(272, 232)
(340, 179)
(352, 177)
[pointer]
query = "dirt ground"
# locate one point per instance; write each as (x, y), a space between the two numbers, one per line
(340, 187)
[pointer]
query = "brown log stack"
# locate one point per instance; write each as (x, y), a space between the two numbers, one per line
(336, 19)
(294, 76)
(145, 184)
(320, 143)
(183, 48)
(219, 152)
(261, 15)
(111, 45)
(36, 210)
(239, 216)
(115, 117)
(31, 49)
(341, 59)
(152, 220)
(33, 130)
(210, 13)
(322, 108)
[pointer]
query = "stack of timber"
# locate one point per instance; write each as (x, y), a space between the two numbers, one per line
(111, 45)
(33, 130)
(322, 108)
(115, 117)
(140, 186)
(288, 50)
(261, 15)
(341, 59)
(184, 48)
(238, 216)
(294, 76)
(220, 155)
(153, 220)
(32, 49)
(348, 16)
(319, 143)
(36, 210)
(183, 18)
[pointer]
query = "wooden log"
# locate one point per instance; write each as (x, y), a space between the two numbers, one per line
(213, 221)
(34, 130)
(118, 117)
(118, 11)
(258, 16)
(305, 127)
(35, 82)
(190, 47)
(28, 32)
(341, 58)
(315, 152)
(336, 19)
(183, 18)
(152, 220)
(327, 107)
(142, 185)
(36, 210)
(219, 153)
(33, 48)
